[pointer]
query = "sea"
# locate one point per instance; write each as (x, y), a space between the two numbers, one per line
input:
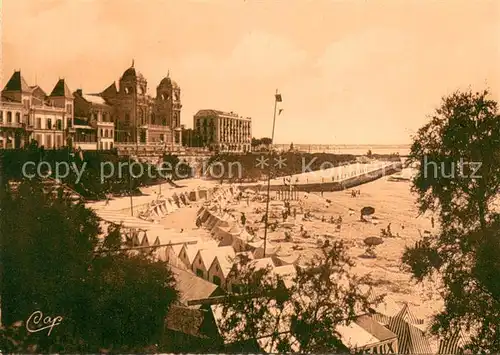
(355, 149)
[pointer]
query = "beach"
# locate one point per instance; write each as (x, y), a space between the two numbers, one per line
(394, 205)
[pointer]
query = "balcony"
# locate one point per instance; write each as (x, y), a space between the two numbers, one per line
(19, 125)
(105, 124)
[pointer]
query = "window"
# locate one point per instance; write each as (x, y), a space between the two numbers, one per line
(18, 117)
(39, 122)
(69, 123)
(69, 109)
(1, 116)
(102, 133)
(216, 280)
(26, 103)
(101, 146)
(9, 117)
(49, 123)
(49, 141)
(199, 272)
(59, 124)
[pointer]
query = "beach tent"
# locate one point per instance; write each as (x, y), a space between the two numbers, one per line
(281, 260)
(176, 200)
(171, 205)
(222, 236)
(258, 249)
(411, 339)
(368, 336)
(452, 344)
(194, 195)
(286, 272)
(202, 194)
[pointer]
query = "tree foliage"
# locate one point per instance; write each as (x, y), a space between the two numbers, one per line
(54, 261)
(103, 172)
(462, 136)
(306, 312)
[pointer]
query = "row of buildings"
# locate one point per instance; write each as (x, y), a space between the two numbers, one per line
(122, 114)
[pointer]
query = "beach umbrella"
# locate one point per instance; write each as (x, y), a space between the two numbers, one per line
(368, 210)
(373, 241)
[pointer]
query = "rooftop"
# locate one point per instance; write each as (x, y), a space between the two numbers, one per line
(17, 83)
(95, 99)
(217, 113)
(192, 287)
(61, 90)
(186, 320)
(208, 255)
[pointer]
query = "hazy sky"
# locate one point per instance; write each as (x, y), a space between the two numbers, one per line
(349, 71)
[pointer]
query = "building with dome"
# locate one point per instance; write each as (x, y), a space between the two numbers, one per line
(138, 117)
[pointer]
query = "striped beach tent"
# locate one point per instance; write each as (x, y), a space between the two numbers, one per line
(411, 339)
(452, 344)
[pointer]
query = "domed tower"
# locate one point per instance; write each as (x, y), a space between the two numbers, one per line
(132, 101)
(168, 106)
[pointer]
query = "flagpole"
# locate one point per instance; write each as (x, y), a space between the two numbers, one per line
(269, 174)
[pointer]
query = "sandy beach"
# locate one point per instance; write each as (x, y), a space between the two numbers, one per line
(394, 204)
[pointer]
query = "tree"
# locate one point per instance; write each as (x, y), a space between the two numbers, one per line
(461, 148)
(266, 141)
(176, 168)
(54, 261)
(321, 296)
(291, 147)
(255, 142)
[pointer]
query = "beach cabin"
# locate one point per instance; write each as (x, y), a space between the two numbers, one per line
(205, 257)
(220, 268)
(189, 251)
(171, 255)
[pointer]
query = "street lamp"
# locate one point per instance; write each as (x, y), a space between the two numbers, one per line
(277, 98)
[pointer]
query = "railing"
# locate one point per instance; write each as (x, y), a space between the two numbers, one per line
(13, 124)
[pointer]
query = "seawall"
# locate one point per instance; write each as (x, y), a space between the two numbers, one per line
(345, 183)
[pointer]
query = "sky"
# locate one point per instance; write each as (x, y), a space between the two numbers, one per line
(350, 72)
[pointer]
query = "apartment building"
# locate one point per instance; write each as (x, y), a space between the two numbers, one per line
(27, 113)
(223, 131)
